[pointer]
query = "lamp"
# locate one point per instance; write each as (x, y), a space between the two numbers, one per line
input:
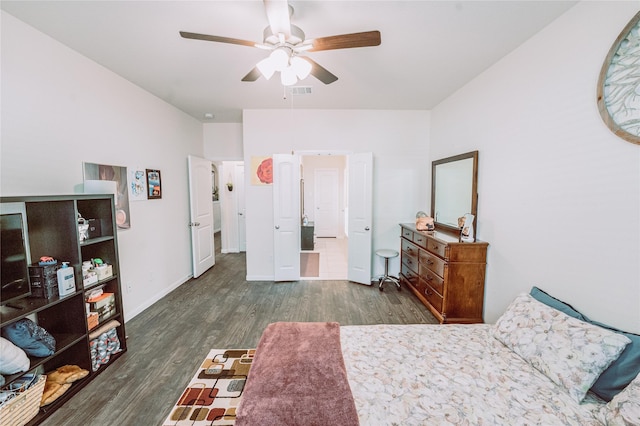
(288, 76)
(301, 67)
(266, 67)
(291, 67)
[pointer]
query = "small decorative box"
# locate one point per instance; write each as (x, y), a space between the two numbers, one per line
(90, 277)
(104, 271)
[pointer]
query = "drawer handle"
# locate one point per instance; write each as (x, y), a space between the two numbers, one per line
(428, 293)
(429, 262)
(429, 278)
(435, 248)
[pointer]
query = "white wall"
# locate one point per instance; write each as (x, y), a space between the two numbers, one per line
(399, 141)
(60, 109)
(559, 194)
(222, 141)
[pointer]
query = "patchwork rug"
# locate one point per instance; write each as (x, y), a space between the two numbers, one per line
(212, 396)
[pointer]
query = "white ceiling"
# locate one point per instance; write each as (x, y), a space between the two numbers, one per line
(429, 48)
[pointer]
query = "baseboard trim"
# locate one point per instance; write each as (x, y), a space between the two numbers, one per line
(141, 308)
(259, 278)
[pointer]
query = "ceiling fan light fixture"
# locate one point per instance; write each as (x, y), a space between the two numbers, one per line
(266, 67)
(280, 59)
(285, 41)
(301, 67)
(288, 77)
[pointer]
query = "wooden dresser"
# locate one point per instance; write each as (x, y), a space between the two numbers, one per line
(444, 273)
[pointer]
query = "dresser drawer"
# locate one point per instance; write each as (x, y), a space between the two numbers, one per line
(420, 239)
(434, 298)
(409, 275)
(410, 262)
(407, 233)
(436, 247)
(409, 248)
(432, 262)
(432, 279)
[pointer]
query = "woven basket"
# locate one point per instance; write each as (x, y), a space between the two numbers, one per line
(24, 407)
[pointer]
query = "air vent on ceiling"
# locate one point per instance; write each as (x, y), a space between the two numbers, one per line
(300, 90)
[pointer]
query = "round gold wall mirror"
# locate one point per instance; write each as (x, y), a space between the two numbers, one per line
(619, 84)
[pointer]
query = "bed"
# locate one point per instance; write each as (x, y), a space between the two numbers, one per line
(540, 364)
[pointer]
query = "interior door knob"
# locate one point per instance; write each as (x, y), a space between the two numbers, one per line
(366, 228)
(277, 226)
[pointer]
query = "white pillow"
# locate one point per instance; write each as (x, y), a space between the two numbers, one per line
(12, 359)
(570, 352)
(624, 408)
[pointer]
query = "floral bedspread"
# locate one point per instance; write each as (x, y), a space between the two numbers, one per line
(450, 375)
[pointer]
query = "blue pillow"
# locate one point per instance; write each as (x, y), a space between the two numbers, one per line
(559, 305)
(30, 337)
(622, 371)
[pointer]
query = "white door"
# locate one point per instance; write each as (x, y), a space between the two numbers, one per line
(360, 217)
(200, 215)
(286, 217)
(239, 179)
(326, 192)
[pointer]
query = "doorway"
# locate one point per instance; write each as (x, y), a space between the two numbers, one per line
(324, 203)
(232, 206)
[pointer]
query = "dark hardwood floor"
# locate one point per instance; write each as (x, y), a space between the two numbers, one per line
(167, 342)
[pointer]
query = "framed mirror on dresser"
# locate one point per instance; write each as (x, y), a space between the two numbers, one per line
(454, 190)
(445, 273)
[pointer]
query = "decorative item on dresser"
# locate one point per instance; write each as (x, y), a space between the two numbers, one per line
(447, 275)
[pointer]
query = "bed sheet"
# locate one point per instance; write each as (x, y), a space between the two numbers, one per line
(450, 375)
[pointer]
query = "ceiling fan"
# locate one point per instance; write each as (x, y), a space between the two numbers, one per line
(288, 46)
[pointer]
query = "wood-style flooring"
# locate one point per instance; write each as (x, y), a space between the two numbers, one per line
(219, 309)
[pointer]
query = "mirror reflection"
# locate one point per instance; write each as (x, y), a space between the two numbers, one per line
(454, 189)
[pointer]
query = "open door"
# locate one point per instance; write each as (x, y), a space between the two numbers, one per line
(242, 220)
(200, 215)
(360, 217)
(286, 217)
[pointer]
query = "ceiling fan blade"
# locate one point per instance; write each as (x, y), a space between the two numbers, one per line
(278, 17)
(346, 41)
(218, 39)
(253, 75)
(321, 73)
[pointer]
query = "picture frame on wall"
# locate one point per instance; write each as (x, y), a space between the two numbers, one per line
(261, 170)
(96, 175)
(154, 185)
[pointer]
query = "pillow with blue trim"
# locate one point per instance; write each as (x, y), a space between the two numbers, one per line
(622, 371)
(570, 352)
(547, 299)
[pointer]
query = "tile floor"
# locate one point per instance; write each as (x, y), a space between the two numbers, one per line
(334, 257)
